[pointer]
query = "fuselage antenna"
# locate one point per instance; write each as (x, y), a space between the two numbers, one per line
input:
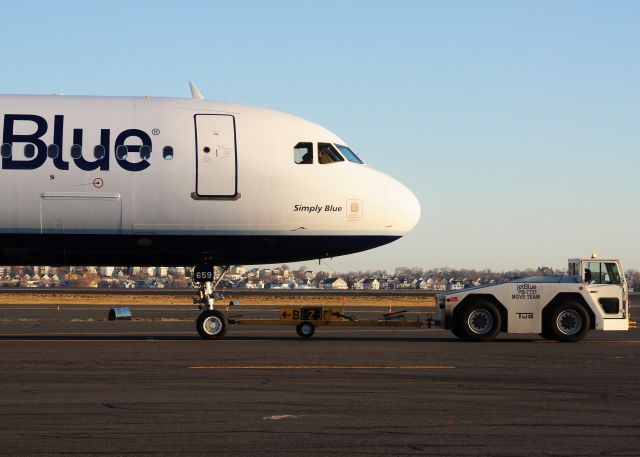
(195, 92)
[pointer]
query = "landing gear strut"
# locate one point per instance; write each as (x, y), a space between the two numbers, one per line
(211, 324)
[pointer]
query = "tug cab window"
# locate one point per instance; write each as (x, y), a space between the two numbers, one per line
(327, 153)
(349, 154)
(602, 273)
(303, 153)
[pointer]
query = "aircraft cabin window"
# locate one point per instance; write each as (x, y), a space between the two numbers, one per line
(121, 152)
(53, 151)
(167, 153)
(5, 150)
(29, 151)
(145, 152)
(99, 152)
(76, 151)
(349, 154)
(303, 153)
(328, 154)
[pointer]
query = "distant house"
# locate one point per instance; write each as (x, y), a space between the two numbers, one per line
(305, 284)
(440, 285)
(289, 284)
(334, 283)
(371, 284)
(359, 284)
(420, 284)
(427, 284)
(254, 285)
(127, 284)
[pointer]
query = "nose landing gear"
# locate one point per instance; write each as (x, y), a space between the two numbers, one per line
(211, 323)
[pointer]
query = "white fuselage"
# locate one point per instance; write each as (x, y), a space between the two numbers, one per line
(182, 180)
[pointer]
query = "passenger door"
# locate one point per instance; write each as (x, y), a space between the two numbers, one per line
(216, 156)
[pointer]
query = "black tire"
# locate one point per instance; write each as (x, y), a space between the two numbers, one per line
(567, 322)
(546, 335)
(457, 332)
(479, 321)
(305, 329)
(211, 325)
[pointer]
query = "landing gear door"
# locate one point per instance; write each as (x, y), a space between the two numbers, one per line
(216, 156)
(606, 287)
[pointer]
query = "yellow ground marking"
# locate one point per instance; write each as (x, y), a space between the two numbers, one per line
(322, 367)
(594, 342)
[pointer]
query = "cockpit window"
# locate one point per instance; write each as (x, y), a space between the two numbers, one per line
(349, 154)
(303, 153)
(328, 154)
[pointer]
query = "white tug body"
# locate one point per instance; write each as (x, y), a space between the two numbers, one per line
(594, 295)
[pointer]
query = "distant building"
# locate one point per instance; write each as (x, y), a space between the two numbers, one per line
(440, 285)
(238, 270)
(334, 283)
(427, 284)
(177, 271)
(371, 284)
(107, 271)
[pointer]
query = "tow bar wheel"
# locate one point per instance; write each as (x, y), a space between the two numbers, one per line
(211, 324)
(305, 329)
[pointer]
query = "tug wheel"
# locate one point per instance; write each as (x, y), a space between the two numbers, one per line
(211, 324)
(479, 321)
(457, 332)
(567, 322)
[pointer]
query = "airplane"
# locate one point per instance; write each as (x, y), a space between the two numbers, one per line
(184, 181)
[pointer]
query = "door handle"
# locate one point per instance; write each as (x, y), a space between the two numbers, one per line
(593, 291)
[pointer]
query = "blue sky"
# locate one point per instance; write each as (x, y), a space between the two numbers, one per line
(515, 123)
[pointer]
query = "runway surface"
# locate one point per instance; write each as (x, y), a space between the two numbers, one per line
(72, 383)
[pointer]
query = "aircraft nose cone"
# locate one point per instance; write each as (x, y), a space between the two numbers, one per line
(404, 207)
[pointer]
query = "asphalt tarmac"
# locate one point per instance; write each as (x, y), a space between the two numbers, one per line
(72, 383)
